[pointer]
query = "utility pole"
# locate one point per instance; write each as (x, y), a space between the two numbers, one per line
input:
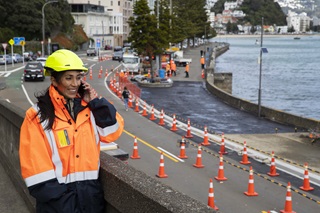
(157, 56)
(260, 61)
(43, 28)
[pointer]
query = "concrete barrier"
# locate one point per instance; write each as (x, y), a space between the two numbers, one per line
(225, 95)
(126, 189)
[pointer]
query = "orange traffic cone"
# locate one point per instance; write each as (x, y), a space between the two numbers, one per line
(161, 173)
(288, 204)
(135, 154)
(152, 118)
(211, 196)
(202, 74)
(161, 121)
(205, 138)
(136, 109)
(306, 183)
(222, 146)
(198, 163)
(245, 154)
(188, 135)
(251, 191)
(119, 93)
(106, 73)
(174, 125)
(90, 73)
(144, 112)
(84, 77)
(183, 149)
(100, 72)
(130, 102)
(221, 176)
(273, 170)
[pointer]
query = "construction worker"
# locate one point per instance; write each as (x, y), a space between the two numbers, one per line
(60, 139)
(187, 70)
(173, 68)
(168, 69)
(202, 62)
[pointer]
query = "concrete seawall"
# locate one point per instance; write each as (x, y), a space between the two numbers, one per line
(126, 189)
(222, 91)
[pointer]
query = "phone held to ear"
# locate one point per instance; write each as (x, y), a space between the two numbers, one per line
(81, 90)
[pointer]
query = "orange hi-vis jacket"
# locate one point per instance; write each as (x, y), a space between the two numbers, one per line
(70, 151)
(202, 61)
(167, 67)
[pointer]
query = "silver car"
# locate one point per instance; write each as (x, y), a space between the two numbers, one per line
(16, 58)
(5, 59)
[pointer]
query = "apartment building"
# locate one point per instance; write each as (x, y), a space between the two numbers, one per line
(300, 22)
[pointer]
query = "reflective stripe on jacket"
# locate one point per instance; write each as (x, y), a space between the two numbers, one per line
(70, 151)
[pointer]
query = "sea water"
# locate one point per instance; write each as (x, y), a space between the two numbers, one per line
(290, 72)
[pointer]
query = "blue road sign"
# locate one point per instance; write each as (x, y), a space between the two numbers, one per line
(17, 40)
(98, 43)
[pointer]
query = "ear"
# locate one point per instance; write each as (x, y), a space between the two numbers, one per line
(53, 81)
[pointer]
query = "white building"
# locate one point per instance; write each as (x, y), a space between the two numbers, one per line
(300, 22)
(105, 21)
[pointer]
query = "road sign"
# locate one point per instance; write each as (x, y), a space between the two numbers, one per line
(4, 45)
(11, 42)
(17, 40)
(98, 43)
(22, 43)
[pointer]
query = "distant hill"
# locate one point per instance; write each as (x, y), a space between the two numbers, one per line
(255, 9)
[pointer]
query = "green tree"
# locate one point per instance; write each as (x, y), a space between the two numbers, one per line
(145, 36)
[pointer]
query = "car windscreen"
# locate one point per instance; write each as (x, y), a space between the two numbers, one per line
(34, 66)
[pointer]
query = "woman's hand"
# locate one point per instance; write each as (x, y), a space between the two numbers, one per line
(89, 93)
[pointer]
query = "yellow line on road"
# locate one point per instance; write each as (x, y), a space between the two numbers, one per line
(152, 147)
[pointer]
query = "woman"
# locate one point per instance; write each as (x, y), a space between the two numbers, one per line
(60, 139)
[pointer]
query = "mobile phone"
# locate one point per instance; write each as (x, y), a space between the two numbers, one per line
(81, 90)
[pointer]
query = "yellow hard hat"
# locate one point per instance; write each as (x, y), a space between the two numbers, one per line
(63, 60)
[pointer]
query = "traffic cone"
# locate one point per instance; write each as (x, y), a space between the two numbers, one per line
(245, 154)
(130, 102)
(306, 183)
(106, 73)
(288, 203)
(135, 153)
(144, 112)
(161, 121)
(188, 135)
(84, 77)
(183, 149)
(161, 173)
(100, 72)
(119, 93)
(205, 138)
(222, 146)
(221, 176)
(174, 125)
(202, 74)
(251, 191)
(152, 118)
(90, 74)
(211, 196)
(198, 163)
(136, 109)
(273, 170)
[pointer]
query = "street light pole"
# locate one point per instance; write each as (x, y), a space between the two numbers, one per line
(43, 18)
(260, 61)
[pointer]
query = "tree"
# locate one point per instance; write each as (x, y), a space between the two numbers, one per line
(145, 37)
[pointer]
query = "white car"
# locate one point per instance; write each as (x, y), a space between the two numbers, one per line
(42, 60)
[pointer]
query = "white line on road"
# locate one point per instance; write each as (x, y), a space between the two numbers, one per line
(25, 92)
(172, 155)
(8, 100)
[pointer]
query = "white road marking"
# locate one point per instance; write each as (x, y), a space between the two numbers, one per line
(172, 155)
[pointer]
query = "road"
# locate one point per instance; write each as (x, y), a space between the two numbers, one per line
(182, 175)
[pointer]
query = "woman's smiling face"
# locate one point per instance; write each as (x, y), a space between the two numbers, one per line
(68, 84)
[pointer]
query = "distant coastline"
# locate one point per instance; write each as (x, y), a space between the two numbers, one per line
(264, 35)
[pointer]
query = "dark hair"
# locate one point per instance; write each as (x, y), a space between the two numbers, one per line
(46, 108)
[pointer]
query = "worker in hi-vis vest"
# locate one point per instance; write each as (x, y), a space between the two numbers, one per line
(187, 70)
(60, 139)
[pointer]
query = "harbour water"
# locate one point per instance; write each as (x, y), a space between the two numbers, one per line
(290, 79)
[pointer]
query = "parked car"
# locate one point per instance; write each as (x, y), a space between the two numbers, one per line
(91, 52)
(117, 48)
(5, 59)
(42, 60)
(16, 58)
(34, 71)
(117, 56)
(108, 47)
